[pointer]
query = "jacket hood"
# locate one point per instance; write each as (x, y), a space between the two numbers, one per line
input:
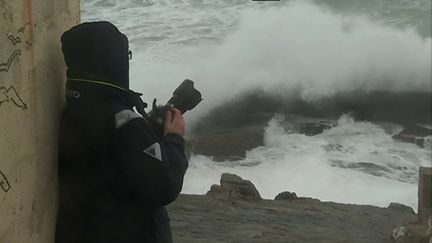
(98, 48)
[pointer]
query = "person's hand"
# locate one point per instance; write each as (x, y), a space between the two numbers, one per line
(174, 122)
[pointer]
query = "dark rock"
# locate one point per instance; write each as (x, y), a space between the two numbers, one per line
(234, 186)
(401, 208)
(286, 196)
(397, 107)
(420, 134)
(311, 129)
(409, 138)
(199, 218)
(228, 139)
(216, 189)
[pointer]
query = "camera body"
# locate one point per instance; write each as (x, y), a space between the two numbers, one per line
(185, 97)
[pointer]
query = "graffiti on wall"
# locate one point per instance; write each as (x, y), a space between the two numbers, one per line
(4, 183)
(8, 93)
(15, 40)
(5, 66)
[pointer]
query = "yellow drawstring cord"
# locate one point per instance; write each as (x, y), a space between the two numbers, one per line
(98, 82)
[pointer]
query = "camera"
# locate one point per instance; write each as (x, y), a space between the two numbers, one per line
(185, 98)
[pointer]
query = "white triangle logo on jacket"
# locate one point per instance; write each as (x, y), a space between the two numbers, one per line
(154, 151)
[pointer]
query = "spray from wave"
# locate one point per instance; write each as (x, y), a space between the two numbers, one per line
(302, 47)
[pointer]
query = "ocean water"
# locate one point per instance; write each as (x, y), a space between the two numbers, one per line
(318, 48)
(353, 162)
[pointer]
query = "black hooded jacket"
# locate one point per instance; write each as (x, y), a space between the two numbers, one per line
(115, 175)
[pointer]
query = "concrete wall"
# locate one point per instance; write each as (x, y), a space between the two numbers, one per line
(31, 97)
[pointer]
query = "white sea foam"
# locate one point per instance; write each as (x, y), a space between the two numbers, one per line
(306, 165)
(296, 46)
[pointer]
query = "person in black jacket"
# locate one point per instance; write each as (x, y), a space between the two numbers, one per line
(115, 173)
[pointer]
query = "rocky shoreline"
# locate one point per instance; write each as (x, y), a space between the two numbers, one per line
(234, 212)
